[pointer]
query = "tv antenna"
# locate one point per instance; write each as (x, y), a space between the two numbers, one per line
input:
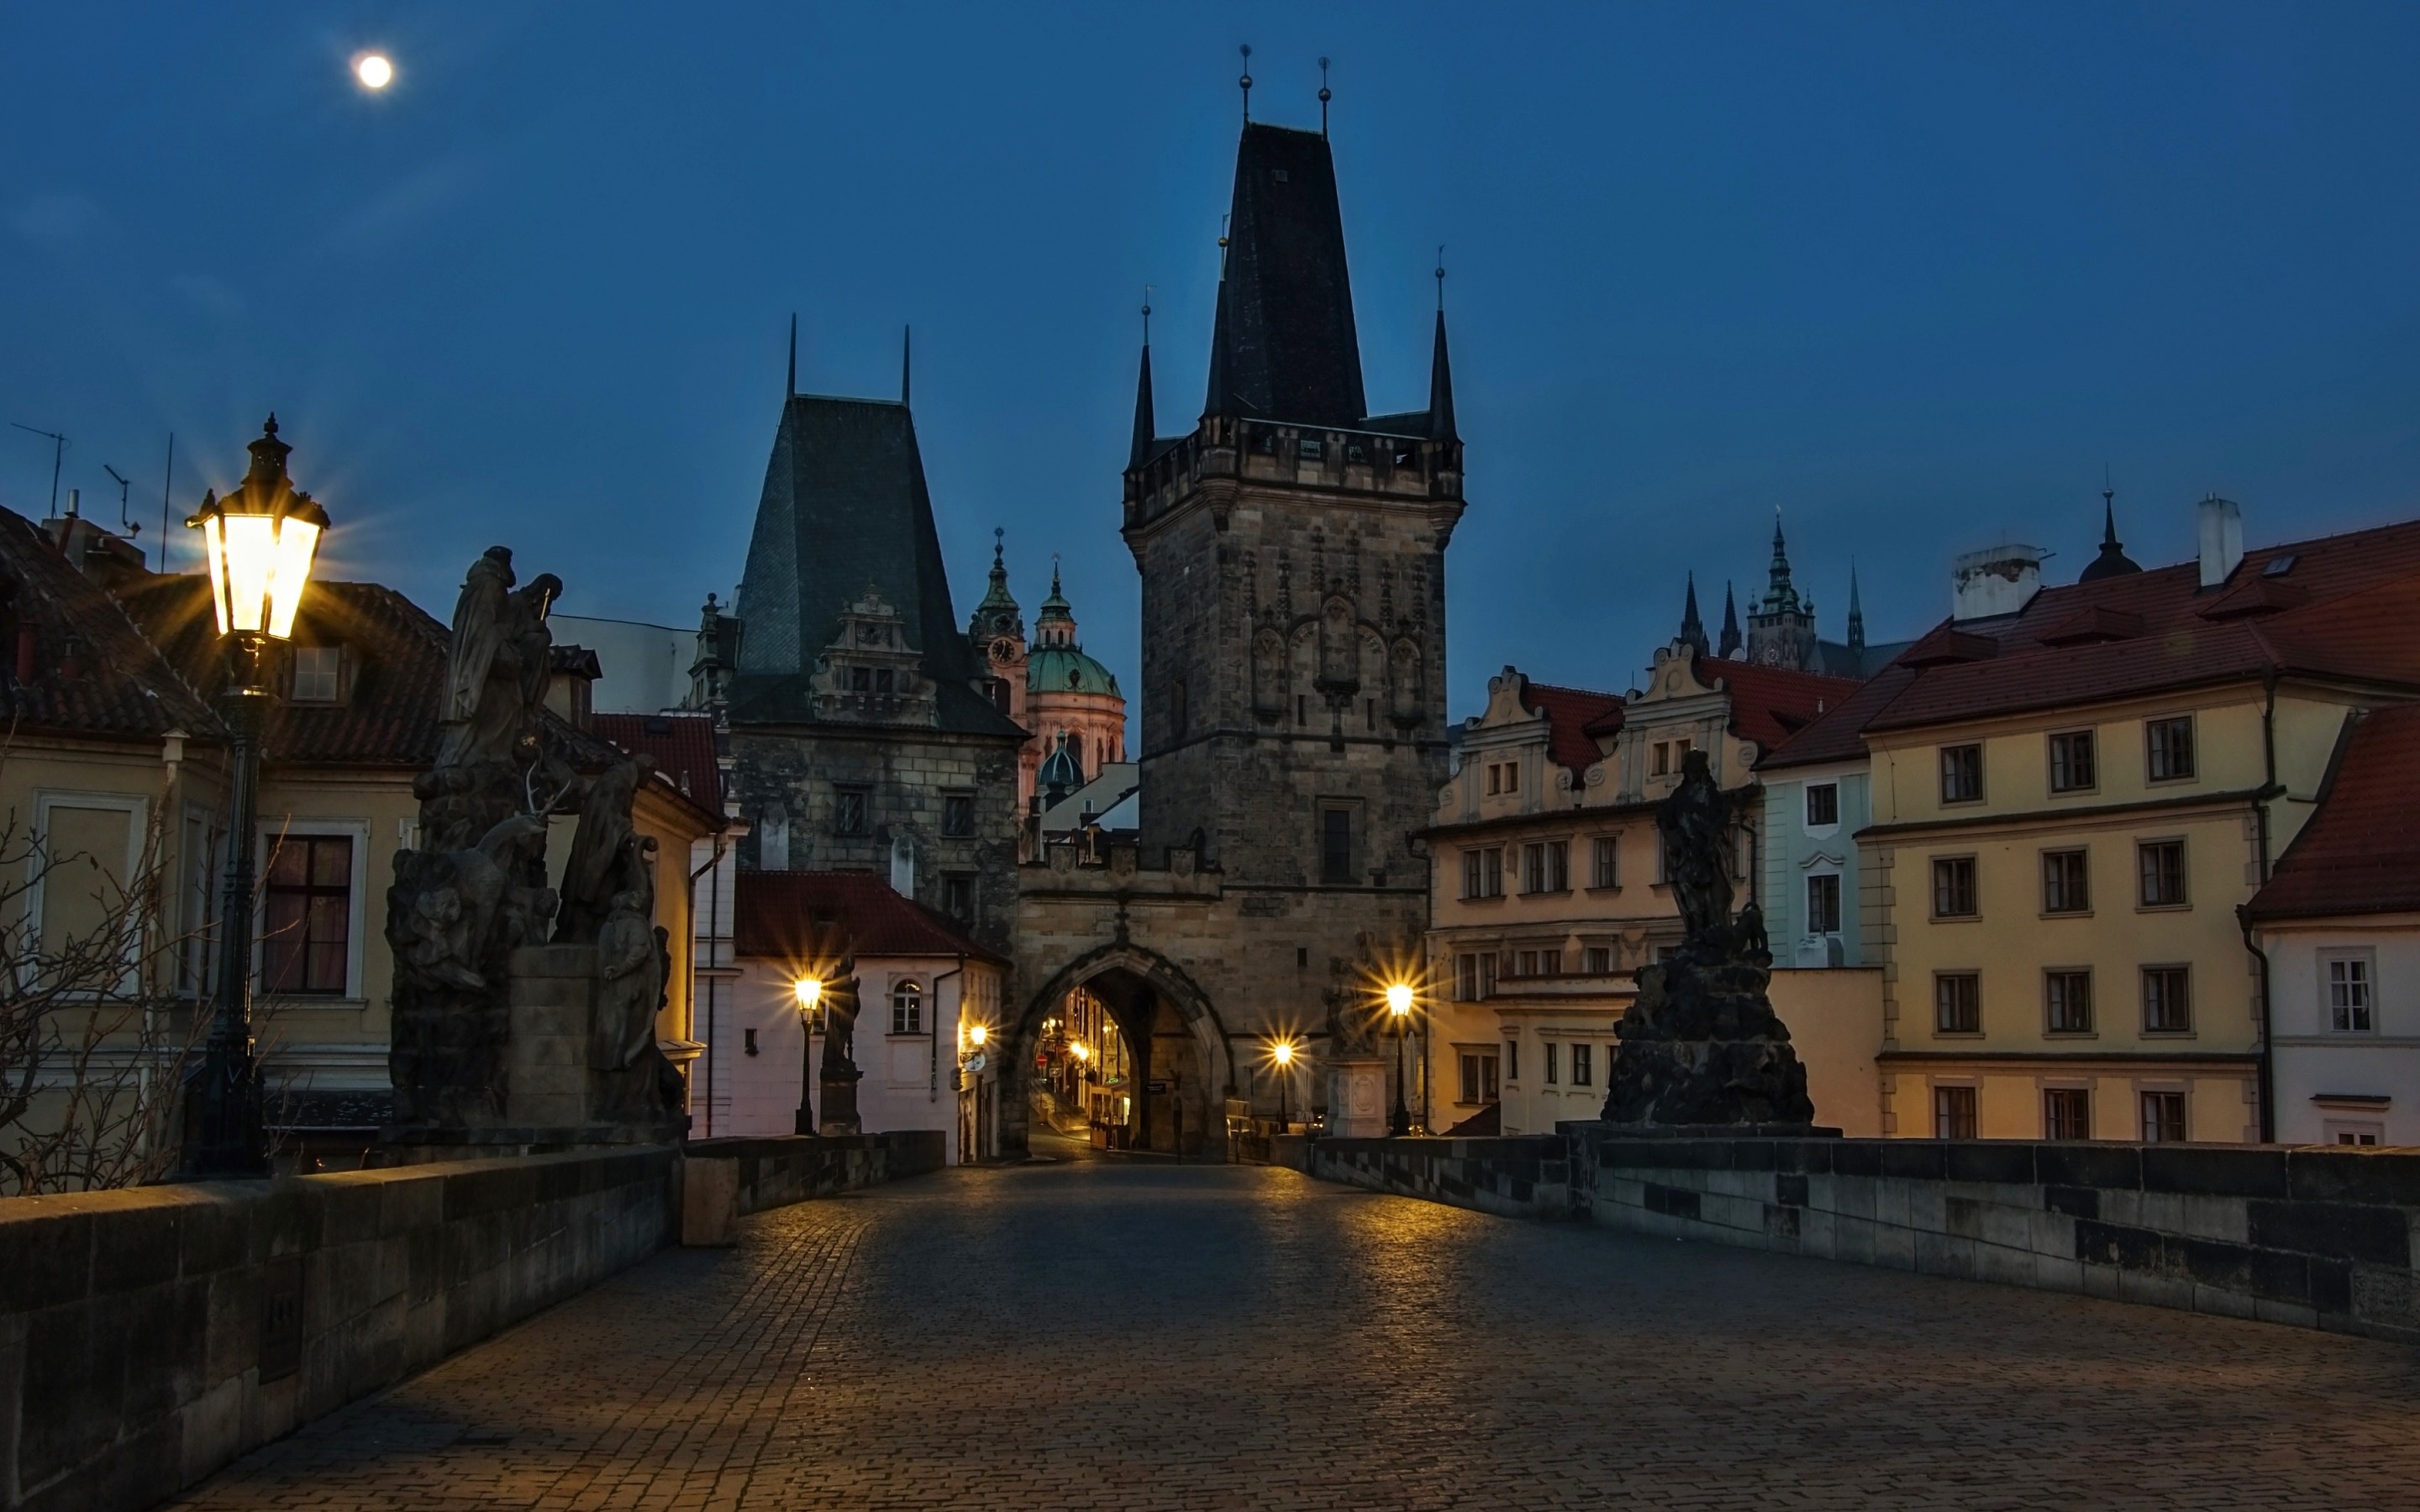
(132, 529)
(58, 450)
(167, 486)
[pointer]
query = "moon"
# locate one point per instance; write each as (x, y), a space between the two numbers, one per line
(374, 70)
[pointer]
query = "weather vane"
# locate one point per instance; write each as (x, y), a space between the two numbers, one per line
(1323, 96)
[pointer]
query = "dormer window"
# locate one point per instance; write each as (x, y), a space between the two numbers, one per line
(318, 675)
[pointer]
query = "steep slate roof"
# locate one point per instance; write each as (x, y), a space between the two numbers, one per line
(2360, 852)
(845, 505)
(1771, 704)
(1285, 346)
(1574, 717)
(94, 673)
(792, 916)
(682, 745)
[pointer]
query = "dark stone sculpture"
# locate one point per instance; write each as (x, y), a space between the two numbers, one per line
(1702, 1045)
(601, 866)
(839, 1074)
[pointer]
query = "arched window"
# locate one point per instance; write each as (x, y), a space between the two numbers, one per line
(906, 1008)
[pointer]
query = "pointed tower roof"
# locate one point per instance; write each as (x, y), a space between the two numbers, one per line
(845, 505)
(1285, 347)
(1693, 629)
(1779, 595)
(1731, 641)
(1441, 386)
(2113, 561)
(1857, 614)
(1147, 419)
(997, 614)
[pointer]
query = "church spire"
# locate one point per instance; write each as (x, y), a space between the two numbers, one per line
(1693, 629)
(1285, 347)
(1856, 618)
(1146, 422)
(1779, 596)
(1731, 641)
(2113, 561)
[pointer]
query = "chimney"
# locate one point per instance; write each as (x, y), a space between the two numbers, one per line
(2222, 539)
(2000, 580)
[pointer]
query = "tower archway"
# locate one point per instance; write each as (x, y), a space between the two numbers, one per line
(1177, 1069)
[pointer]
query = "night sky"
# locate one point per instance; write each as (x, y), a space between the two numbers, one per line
(1913, 274)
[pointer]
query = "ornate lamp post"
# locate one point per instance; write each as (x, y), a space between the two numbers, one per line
(809, 992)
(258, 544)
(1282, 1052)
(1398, 1013)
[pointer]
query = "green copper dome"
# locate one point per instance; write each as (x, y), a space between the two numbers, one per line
(1067, 670)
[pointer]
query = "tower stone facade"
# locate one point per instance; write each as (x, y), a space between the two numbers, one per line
(1292, 550)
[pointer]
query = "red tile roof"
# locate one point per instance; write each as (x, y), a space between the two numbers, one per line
(682, 745)
(1574, 718)
(1769, 704)
(2359, 850)
(1838, 734)
(94, 673)
(2343, 607)
(790, 916)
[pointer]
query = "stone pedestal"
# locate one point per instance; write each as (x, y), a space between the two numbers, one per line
(1356, 1098)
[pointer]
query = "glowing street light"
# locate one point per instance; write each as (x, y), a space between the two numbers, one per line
(1082, 1051)
(375, 70)
(977, 1035)
(1399, 1011)
(259, 543)
(1282, 1052)
(809, 991)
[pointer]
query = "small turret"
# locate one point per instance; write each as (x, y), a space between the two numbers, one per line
(1693, 629)
(1731, 641)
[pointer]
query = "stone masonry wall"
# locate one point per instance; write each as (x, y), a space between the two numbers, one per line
(149, 1336)
(2320, 1238)
(778, 1171)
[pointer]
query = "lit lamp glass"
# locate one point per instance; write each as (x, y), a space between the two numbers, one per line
(259, 543)
(1399, 1000)
(1080, 1050)
(977, 1035)
(1282, 1052)
(809, 992)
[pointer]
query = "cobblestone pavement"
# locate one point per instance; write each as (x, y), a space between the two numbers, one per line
(1115, 1334)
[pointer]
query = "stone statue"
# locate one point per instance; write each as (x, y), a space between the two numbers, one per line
(454, 919)
(599, 870)
(496, 667)
(839, 1074)
(630, 983)
(1702, 1044)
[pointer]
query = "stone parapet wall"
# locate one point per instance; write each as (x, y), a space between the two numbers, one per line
(2320, 1238)
(149, 1336)
(1520, 1177)
(778, 1171)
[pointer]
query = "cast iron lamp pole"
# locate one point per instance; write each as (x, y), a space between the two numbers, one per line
(1399, 1008)
(257, 544)
(810, 991)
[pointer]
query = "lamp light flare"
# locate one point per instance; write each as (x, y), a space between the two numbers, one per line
(374, 69)
(1399, 1000)
(979, 1034)
(809, 992)
(1282, 1052)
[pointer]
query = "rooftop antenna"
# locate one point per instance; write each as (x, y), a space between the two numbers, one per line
(59, 448)
(1440, 278)
(131, 528)
(1247, 81)
(168, 486)
(1323, 96)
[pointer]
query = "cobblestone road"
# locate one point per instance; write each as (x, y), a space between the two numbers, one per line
(1113, 1336)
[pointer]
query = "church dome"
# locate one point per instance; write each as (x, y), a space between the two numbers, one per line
(1063, 770)
(1068, 669)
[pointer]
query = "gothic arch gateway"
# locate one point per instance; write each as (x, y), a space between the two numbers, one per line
(1183, 1061)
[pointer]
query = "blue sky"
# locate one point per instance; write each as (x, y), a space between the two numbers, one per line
(1914, 274)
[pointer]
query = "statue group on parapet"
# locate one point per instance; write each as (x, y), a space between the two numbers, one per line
(1702, 1044)
(474, 888)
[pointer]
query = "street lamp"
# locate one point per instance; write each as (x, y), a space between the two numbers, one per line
(1399, 1012)
(809, 992)
(1282, 1052)
(258, 544)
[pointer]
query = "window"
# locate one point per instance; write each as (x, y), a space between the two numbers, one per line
(959, 898)
(2066, 1113)
(2169, 749)
(1583, 1064)
(1679, 754)
(1659, 759)
(1474, 977)
(1511, 1060)
(2072, 769)
(2164, 1118)
(849, 811)
(908, 1007)
(1550, 963)
(1527, 964)
(2067, 997)
(2067, 888)
(1599, 959)
(83, 872)
(1336, 846)
(1478, 1077)
(2167, 1000)
(1605, 862)
(1495, 780)
(1824, 905)
(2163, 864)
(1512, 777)
(2354, 1133)
(307, 916)
(2347, 986)
(1822, 804)
(957, 815)
(1953, 888)
(1962, 774)
(1551, 1076)
(861, 679)
(1483, 872)
(315, 669)
(748, 1038)
(1547, 866)
(1953, 1113)
(1958, 1002)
